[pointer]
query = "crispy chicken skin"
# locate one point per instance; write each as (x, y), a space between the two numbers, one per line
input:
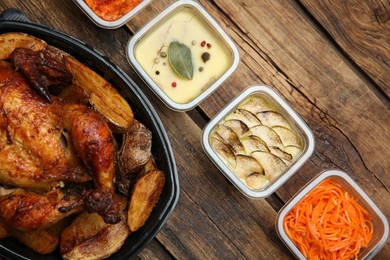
(41, 143)
(94, 142)
(40, 69)
(28, 210)
(34, 151)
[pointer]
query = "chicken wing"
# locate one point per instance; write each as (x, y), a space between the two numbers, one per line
(40, 69)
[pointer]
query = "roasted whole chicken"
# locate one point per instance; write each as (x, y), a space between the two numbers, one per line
(43, 143)
(59, 156)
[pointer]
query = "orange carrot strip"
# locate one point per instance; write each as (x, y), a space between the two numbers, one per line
(329, 223)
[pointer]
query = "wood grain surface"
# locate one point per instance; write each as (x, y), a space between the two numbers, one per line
(362, 31)
(328, 59)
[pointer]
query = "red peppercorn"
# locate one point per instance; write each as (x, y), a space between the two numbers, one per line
(174, 84)
(203, 43)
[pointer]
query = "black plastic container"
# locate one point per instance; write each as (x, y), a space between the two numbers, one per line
(13, 20)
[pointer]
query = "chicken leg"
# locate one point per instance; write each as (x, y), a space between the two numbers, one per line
(25, 210)
(93, 141)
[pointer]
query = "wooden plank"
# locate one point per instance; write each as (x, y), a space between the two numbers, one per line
(212, 219)
(281, 47)
(318, 82)
(284, 49)
(154, 250)
(277, 49)
(362, 30)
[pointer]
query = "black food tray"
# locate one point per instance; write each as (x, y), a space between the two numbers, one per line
(12, 20)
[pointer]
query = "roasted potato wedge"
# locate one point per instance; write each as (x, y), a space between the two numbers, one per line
(150, 165)
(41, 241)
(125, 183)
(101, 95)
(146, 193)
(75, 94)
(133, 155)
(89, 87)
(89, 237)
(10, 41)
(136, 148)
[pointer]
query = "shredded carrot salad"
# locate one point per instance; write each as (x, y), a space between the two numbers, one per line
(329, 223)
(111, 10)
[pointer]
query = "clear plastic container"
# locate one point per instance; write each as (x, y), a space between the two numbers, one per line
(211, 58)
(282, 108)
(111, 24)
(380, 223)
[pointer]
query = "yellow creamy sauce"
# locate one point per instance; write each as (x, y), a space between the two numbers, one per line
(185, 27)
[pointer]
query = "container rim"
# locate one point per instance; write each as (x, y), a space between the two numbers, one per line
(110, 24)
(149, 81)
(310, 186)
(286, 175)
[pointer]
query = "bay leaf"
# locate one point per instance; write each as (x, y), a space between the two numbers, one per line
(180, 59)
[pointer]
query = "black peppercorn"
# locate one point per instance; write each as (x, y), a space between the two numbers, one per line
(205, 57)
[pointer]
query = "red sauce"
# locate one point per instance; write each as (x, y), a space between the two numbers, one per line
(111, 10)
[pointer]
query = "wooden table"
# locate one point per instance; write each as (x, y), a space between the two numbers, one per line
(329, 59)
